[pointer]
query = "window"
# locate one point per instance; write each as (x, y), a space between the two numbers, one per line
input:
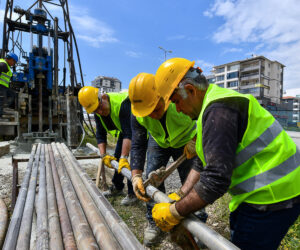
(233, 75)
(233, 67)
(220, 70)
(250, 91)
(220, 78)
(221, 85)
(211, 80)
(232, 84)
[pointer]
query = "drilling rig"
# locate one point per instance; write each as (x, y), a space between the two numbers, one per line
(46, 108)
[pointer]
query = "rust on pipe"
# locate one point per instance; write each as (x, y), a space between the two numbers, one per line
(102, 233)
(23, 241)
(55, 238)
(3, 221)
(14, 226)
(66, 228)
(121, 231)
(83, 235)
(41, 211)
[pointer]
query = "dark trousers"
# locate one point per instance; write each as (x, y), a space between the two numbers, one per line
(254, 229)
(7, 98)
(118, 179)
(158, 157)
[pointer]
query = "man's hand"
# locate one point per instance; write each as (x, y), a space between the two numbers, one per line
(107, 159)
(123, 163)
(190, 149)
(166, 216)
(138, 187)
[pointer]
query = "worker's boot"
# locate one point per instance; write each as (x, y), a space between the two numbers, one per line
(128, 200)
(112, 191)
(151, 234)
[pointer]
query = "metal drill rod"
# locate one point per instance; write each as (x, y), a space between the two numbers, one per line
(55, 236)
(121, 231)
(41, 211)
(209, 237)
(23, 241)
(102, 233)
(157, 177)
(14, 226)
(83, 234)
(66, 227)
(3, 221)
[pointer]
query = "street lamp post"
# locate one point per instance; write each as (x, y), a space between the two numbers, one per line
(165, 51)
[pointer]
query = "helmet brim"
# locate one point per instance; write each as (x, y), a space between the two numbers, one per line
(142, 111)
(93, 107)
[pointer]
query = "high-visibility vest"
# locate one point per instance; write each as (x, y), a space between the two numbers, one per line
(115, 100)
(5, 76)
(181, 129)
(267, 161)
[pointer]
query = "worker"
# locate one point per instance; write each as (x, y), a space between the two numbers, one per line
(5, 76)
(244, 151)
(169, 132)
(112, 115)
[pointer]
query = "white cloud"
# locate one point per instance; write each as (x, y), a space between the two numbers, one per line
(176, 37)
(15, 16)
(92, 30)
(231, 50)
(133, 54)
(273, 24)
(205, 66)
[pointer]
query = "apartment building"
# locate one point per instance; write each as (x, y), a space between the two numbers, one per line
(288, 112)
(293, 106)
(258, 76)
(107, 84)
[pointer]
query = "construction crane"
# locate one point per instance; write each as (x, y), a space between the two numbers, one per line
(46, 108)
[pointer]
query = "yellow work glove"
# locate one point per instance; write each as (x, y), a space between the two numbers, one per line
(176, 196)
(123, 163)
(166, 216)
(190, 149)
(138, 187)
(107, 159)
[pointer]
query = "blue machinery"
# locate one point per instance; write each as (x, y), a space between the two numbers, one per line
(46, 109)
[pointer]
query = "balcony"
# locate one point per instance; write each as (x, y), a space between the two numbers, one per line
(250, 77)
(251, 89)
(250, 68)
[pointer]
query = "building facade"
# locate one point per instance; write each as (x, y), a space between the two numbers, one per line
(258, 76)
(288, 112)
(107, 84)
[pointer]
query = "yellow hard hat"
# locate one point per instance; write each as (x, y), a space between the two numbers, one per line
(143, 94)
(88, 98)
(169, 75)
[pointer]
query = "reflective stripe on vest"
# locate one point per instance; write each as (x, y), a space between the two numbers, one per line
(259, 144)
(115, 100)
(5, 76)
(180, 127)
(269, 176)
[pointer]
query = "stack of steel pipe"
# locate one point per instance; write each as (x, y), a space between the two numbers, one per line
(3, 221)
(71, 211)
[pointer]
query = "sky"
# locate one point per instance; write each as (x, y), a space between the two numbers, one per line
(121, 38)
